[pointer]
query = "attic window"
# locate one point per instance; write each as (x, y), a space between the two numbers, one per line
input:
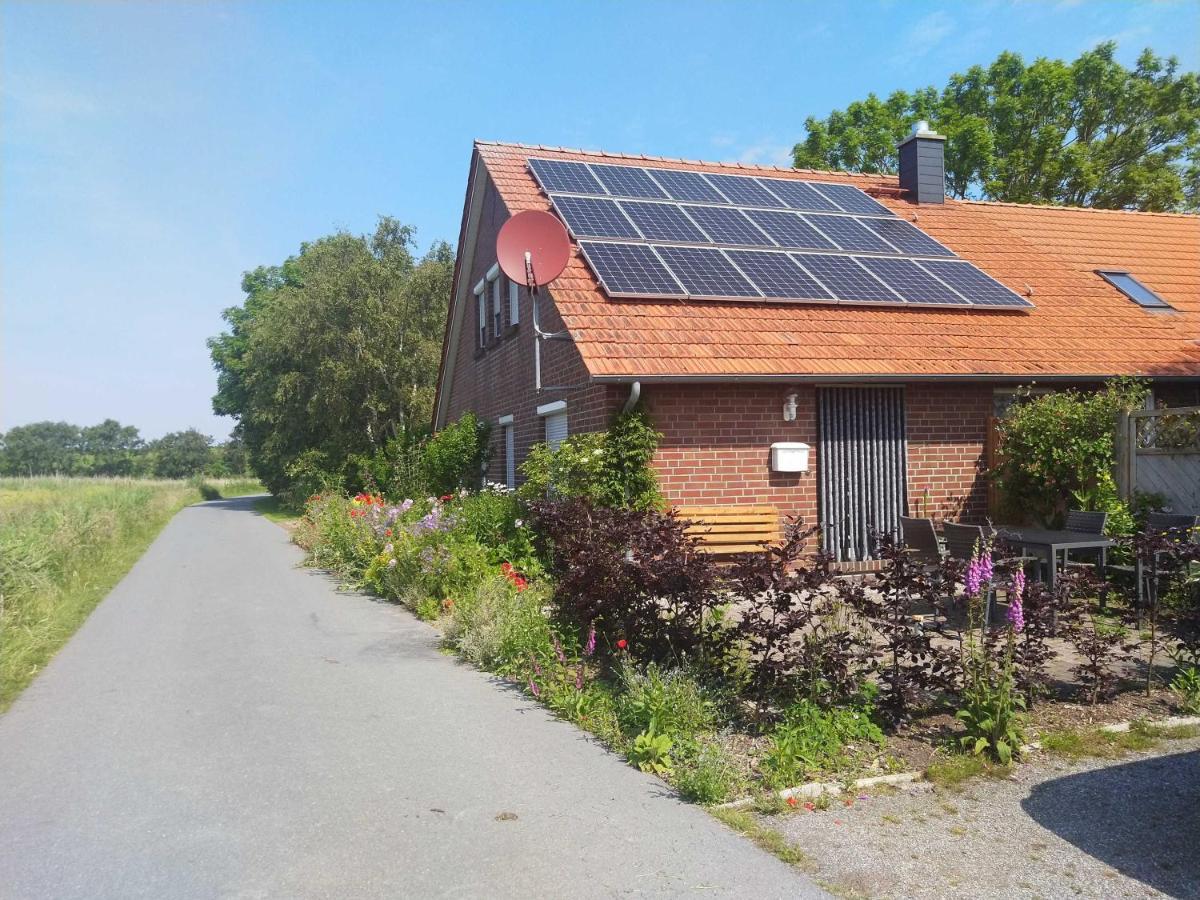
(1133, 289)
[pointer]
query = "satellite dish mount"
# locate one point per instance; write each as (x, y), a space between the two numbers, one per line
(533, 247)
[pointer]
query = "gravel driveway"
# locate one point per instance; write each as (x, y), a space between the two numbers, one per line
(1101, 828)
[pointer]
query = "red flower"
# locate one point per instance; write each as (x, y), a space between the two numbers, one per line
(388, 533)
(622, 644)
(446, 497)
(809, 806)
(791, 801)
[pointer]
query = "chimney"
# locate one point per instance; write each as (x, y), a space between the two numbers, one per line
(923, 165)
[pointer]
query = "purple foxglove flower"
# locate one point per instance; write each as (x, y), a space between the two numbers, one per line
(536, 667)
(558, 651)
(579, 677)
(1016, 614)
(590, 647)
(534, 689)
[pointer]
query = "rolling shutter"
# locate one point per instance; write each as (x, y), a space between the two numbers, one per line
(510, 456)
(556, 429)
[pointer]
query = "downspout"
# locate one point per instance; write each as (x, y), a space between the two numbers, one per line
(635, 394)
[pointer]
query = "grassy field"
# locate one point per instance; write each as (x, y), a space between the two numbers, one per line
(64, 544)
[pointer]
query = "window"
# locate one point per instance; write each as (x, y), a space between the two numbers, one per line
(497, 323)
(481, 308)
(510, 451)
(554, 415)
(1133, 289)
(514, 301)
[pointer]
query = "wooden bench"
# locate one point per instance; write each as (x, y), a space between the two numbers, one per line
(725, 530)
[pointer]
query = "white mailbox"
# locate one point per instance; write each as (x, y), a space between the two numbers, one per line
(789, 456)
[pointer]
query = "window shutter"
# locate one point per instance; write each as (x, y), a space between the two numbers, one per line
(510, 456)
(497, 327)
(514, 302)
(556, 429)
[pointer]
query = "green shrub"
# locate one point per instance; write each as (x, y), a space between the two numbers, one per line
(309, 475)
(1061, 444)
(651, 752)
(665, 702)
(609, 469)
(1186, 688)
(812, 738)
(497, 520)
(707, 775)
(335, 539)
(454, 457)
(501, 629)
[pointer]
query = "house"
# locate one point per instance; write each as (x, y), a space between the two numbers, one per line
(894, 391)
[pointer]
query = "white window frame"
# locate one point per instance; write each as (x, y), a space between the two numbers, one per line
(493, 278)
(481, 311)
(510, 450)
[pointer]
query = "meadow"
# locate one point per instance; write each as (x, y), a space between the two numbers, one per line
(64, 544)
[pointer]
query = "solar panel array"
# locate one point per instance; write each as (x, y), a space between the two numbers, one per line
(651, 232)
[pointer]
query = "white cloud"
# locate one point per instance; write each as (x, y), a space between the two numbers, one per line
(922, 37)
(766, 153)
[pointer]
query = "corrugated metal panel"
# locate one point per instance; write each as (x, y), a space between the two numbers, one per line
(556, 429)
(510, 456)
(860, 467)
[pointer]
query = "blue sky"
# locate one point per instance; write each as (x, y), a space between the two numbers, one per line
(151, 153)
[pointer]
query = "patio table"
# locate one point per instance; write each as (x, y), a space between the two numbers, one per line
(1054, 541)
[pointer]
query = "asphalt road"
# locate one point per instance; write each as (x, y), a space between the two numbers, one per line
(227, 724)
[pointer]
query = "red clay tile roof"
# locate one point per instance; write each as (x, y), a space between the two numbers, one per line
(1081, 325)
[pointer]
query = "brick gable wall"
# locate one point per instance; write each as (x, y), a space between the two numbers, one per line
(500, 380)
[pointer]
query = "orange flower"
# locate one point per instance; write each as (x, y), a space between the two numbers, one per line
(792, 802)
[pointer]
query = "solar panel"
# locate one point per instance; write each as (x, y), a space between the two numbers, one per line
(849, 234)
(594, 217)
(663, 222)
(686, 185)
(906, 238)
(705, 272)
(845, 278)
(630, 269)
(910, 281)
(851, 199)
(798, 194)
(788, 229)
(727, 226)
(627, 181)
(677, 233)
(571, 177)
(743, 191)
(777, 275)
(973, 284)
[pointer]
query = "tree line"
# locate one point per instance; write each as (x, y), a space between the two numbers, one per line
(116, 450)
(1085, 133)
(329, 363)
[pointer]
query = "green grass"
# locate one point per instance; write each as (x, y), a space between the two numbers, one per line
(768, 839)
(1086, 743)
(64, 544)
(271, 507)
(951, 771)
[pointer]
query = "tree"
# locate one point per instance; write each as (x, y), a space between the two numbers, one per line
(41, 448)
(110, 447)
(335, 352)
(1086, 133)
(181, 454)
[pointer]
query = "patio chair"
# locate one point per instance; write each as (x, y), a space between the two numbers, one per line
(1086, 522)
(961, 540)
(1187, 526)
(921, 540)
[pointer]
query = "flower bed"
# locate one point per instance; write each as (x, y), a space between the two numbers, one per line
(773, 673)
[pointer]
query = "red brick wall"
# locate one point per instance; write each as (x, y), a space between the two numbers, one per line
(947, 435)
(500, 380)
(716, 445)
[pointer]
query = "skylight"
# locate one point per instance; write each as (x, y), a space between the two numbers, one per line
(1133, 289)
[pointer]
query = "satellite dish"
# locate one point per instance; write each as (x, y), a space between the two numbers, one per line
(533, 248)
